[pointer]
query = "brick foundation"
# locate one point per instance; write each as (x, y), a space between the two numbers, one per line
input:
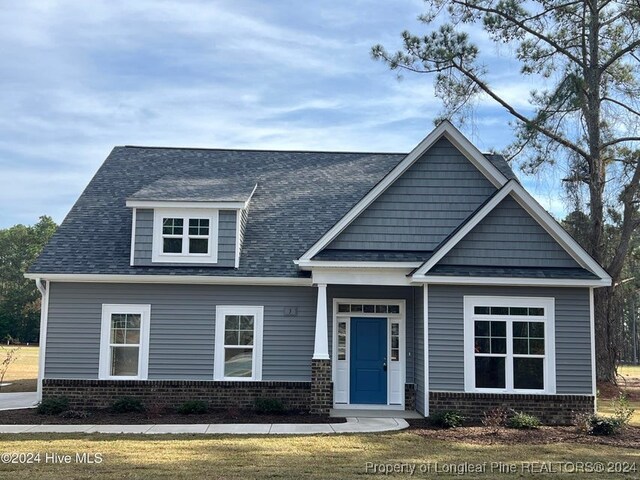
(550, 409)
(84, 394)
(409, 396)
(321, 399)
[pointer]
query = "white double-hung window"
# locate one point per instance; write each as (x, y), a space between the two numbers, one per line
(185, 236)
(238, 349)
(509, 344)
(124, 342)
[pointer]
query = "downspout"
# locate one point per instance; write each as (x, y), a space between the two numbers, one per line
(43, 287)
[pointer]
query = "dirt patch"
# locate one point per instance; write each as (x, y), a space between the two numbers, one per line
(480, 435)
(29, 416)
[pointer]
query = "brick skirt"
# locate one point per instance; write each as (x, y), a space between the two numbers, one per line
(550, 409)
(172, 393)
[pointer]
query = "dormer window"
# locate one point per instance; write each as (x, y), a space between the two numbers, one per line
(178, 221)
(185, 236)
(194, 240)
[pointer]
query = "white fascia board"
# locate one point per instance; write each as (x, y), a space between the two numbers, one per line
(133, 237)
(171, 279)
(311, 264)
(511, 281)
(180, 204)
(460, 234)
(445, 129)
(351, 276)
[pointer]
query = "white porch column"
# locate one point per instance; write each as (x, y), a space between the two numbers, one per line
(321, 345)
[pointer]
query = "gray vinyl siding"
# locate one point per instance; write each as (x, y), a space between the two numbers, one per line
(572, 332)
(244, 216)
(418, 340)
(422, 207)
(375, 292)
(143, 237)
(509, 237)
(182, 334)
(226, 239)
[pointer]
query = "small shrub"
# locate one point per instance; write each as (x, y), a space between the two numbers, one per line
(447, 419)
(193, 407)
(53, 406)
(495, 418)
(79, 414)
(603, 426)
(268, 405)
(600, 425)
(524, 421)
(127, 405)
(622, 410)
(582, 422)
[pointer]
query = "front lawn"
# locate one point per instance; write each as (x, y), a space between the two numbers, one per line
(629, 384)
(23, 373)
(316, 457)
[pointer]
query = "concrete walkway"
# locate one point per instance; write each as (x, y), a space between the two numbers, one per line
(352, 425)
(13, 401)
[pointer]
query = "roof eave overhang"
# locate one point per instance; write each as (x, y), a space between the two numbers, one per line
(153, 204)
(169, 279)
(309, 265)
(509, 281)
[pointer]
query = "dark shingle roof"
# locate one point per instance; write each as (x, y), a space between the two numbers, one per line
(501, 164)
(196, 190)
(516, 272)
(300, 195)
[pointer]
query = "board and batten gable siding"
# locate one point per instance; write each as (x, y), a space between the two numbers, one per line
(422, 206)
(509, 237)
(572, 332)
(374, 292)
(182, 328)
(144, 239)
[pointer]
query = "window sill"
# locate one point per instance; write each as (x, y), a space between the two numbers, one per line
(503, 391)
(237, 379)
(122, 378)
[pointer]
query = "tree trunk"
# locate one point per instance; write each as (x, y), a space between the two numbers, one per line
(607, 349)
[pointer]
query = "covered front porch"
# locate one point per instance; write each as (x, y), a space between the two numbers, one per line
(369, 347)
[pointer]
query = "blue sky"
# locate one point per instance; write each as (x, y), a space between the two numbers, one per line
(78, 78)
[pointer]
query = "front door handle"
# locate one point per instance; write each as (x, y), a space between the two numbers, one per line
(384, 366)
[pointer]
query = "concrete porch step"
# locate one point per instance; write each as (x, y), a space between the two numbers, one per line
(373, 413)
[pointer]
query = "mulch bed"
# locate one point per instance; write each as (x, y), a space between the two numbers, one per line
(29, 416)
(480, 435)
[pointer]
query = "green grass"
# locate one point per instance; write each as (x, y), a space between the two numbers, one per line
(629, 371)
(315, 457)
(629, 382)
(23, 374)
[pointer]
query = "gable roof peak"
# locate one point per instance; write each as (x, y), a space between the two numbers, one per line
(444, 129)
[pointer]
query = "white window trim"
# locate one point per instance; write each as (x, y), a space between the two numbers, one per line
(221, 312)
(105, 351)
(548, 303)
(158, 256)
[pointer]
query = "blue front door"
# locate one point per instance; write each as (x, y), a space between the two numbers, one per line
(368, 376)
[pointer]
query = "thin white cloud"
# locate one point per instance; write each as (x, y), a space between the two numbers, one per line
(78, 78)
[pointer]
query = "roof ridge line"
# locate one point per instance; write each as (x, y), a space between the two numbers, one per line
(147, 147)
